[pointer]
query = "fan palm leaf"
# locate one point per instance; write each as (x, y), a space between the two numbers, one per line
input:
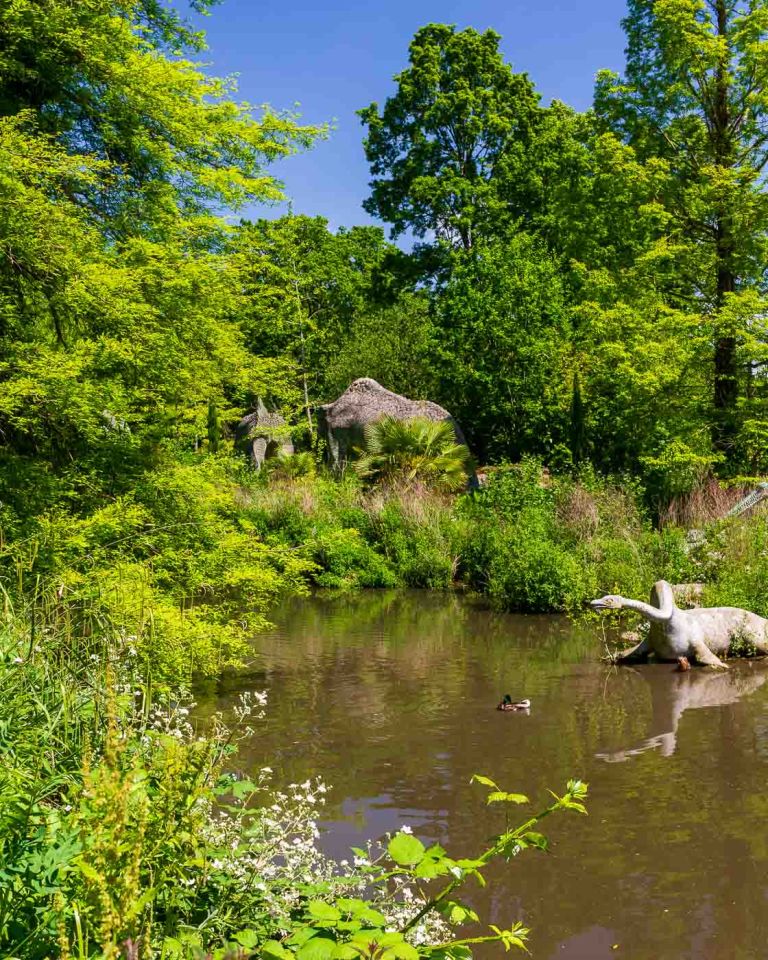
(414, 451)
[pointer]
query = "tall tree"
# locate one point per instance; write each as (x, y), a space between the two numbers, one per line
(306, 286)
(116, 295)
(695, 95)
(503, 339)
(111, 79)
(447, 152)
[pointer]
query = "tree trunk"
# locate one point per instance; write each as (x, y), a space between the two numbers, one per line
(726, 383)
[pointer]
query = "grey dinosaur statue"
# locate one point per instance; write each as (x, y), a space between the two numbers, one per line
(674, 693)
(704, 634)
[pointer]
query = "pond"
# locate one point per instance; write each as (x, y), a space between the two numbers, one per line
(391, 697)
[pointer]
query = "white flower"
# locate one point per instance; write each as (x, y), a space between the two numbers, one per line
(405, 829)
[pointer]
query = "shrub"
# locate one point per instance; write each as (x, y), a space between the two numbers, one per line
(346, 560)
(412, 452)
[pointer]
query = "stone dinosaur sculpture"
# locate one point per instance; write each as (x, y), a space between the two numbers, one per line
(674, 693)
(704, 634)
(341, 424)
(263, 434)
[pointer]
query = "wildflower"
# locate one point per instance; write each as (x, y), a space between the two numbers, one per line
(405, 829)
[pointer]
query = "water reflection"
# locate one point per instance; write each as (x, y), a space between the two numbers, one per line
(673, 693)
(392, 698)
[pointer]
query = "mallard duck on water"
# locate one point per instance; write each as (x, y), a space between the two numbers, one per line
(508, 704)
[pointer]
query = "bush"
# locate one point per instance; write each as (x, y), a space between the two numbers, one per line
(536, 543)
(417, 452)
(346, 560)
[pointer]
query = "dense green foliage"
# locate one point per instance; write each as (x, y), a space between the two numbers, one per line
(409, 453)
(586, 296)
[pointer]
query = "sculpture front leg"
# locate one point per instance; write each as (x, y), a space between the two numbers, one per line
(706, 658)
(637, 654)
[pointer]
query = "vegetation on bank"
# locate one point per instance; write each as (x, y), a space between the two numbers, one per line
(587, 290)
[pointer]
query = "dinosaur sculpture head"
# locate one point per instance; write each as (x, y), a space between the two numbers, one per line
(608, 602)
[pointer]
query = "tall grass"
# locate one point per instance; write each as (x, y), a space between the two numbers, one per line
(527, 541)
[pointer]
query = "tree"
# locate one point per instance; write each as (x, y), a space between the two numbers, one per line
(503, 335)
(213, 426)
(695, 96)
(116, 289)
(448, 151)
(108, 79)
(391, 343)
(306, 289)
(578, 433)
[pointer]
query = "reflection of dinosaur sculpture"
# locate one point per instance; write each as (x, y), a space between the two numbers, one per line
(674, 693)
(704, 634)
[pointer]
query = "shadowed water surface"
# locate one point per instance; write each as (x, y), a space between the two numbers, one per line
(390, 697)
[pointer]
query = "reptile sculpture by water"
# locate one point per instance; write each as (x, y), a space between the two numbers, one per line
(704, 634)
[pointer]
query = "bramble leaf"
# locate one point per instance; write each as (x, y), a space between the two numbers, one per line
(405, 850)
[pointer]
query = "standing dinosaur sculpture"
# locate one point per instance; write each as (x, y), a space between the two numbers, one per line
(704, 634)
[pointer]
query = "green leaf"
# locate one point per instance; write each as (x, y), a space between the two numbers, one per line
(242, 788)
(88, 871)
(345, 951)
(248, 939)
(323, 911)
(318, 948)
(301, 935)
(405, 850)
(486, 781)
(351, 905)
(401, 951)
(371, 916)
(501, 796)
(271, 950)
(536, 840)
(457, 912)
(368, 936)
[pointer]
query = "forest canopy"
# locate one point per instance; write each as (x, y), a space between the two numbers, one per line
(582, 286)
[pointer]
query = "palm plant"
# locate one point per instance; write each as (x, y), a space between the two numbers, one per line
(417, 451)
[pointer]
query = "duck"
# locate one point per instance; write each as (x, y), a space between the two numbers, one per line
(508, 704)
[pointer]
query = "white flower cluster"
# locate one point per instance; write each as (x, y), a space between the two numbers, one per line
(278, 855)
(172, 719)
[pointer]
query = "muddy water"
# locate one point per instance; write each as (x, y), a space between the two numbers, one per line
(391, 698)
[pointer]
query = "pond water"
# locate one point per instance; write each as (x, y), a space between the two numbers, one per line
(391, 698)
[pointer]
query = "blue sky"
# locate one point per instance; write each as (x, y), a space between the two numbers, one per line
(336, 56)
